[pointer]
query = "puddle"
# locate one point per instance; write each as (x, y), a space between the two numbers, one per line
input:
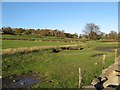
(26, 82)
(106, 49)
(97, 55)
(56, 50)
(21, 81)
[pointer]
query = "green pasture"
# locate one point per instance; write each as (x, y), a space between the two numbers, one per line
(26, 43)
(19, 36)
(36, 37)
(22, 43)
(61, 68)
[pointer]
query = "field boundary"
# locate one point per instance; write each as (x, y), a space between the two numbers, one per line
(30, 49)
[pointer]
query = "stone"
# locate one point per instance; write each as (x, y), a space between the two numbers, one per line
(115, 81)
(14, 80)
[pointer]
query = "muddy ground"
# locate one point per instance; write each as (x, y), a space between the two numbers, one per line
(106, 49)
(24, 80)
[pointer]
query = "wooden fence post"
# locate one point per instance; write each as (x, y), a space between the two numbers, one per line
(115, 55)
(79, 77)
(103, 63)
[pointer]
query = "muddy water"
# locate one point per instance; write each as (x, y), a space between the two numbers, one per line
(97, 55)
(21, 81)
(106, 49)
(26, 82)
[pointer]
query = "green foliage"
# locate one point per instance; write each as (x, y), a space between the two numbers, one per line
(38, 32)
(7, 30)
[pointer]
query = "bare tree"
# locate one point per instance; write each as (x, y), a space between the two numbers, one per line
(92, 31)
(113, 35)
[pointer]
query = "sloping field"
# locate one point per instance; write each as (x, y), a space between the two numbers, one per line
(16, 44)
(59, 69)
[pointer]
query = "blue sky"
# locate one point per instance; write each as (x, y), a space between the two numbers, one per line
(68, 16)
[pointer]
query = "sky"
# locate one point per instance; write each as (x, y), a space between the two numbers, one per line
(68, 16)
(60, 0)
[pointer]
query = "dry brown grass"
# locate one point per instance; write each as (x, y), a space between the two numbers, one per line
(111, 42)
(29, 49)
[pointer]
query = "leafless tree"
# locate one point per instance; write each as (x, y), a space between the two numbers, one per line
(92, 31)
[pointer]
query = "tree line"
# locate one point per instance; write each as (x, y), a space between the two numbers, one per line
(38, 32)
(90, 32)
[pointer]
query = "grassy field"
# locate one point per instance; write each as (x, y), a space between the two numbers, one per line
(20, 36)
(31, 37)
(60, 68)
(21, 43)
(15, 43)
(37, 42)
